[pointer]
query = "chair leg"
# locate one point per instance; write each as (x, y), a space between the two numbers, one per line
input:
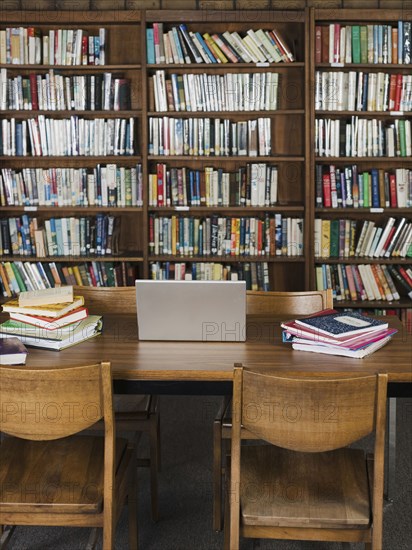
(217, 476)
(154, 464)
(159, 454)
(5, 535)
(132, 507)
(368, 546)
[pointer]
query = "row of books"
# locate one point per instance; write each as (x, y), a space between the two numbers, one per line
(104, 185)
(213, 92)
(346, 238)
(363, 91)
(56, 92)
(35, 46)
(181, 45)
(209, 137)
(371, 43)
(361, 137)
(350, 187)
(84, 236)
(349, 334)
(255, 184)
(75, 136)
(256, 274)
(272, 235)
(365, 281)
(17, 276)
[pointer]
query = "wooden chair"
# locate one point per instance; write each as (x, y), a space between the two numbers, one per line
(48, 475)
(306, 484)
(283, 306)
(133, 413)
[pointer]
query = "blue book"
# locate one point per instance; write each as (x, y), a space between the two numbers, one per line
(150, 49)
(206, 47)
(375, 188)
(341, 324)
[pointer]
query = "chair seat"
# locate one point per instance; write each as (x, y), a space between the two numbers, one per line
(283, 488)
(64, 475)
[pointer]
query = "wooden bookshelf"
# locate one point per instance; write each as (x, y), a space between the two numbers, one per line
(376, 213)
(289, 151)
(123, 56)
(292, 135)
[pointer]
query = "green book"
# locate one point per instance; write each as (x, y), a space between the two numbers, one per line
(363, 44)
(18, 276)
(402, 137)
(366, 190)
(356, 55)
(334, 239)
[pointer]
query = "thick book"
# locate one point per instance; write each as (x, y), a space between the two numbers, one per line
(336, 350)
(51, 324)
(342, 324)
(12, 351)
(57, 340)
(51, 310)
(56, 295)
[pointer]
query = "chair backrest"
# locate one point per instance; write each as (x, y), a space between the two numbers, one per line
(288, 304)
(45, 404)
(101, 300)
(309, 414)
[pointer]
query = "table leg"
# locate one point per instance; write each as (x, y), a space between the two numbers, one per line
(391, 461)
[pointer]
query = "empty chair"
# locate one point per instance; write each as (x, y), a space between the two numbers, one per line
(281, 306)
(133, 413)
(50, 476)
(304, 482)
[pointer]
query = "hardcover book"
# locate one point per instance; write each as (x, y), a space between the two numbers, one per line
(342, 324)
(51, 310)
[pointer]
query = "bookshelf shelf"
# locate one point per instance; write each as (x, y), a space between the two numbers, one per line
(228, 259)
(74, 209)
(244, 210)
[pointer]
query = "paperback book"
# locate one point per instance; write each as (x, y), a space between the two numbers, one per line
(342, 324)
(12, 351)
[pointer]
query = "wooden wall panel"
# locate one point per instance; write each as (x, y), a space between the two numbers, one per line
(38, 5)
(216, 4)
(142, 4)
(107, 4)
(405, 5)
(9, 5)
(73, 5)
(179, 4)
(252, 4)
(290, 5)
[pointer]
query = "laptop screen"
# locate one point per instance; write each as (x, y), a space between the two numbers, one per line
(191, 310)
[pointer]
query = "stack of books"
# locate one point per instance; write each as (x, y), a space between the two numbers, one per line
(52, 319)
(337, 333)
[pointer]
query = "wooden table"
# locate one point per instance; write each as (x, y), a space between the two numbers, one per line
(213, 362)
(167, 367)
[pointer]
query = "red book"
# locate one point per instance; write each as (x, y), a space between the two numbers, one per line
(388, 240)
(336, 43)
(325, 44)
(33, 92)
(161, 174)
(405, 275)
(392, 92)
(398, 93)
(92, 275)
(351, 283)
(48, 323)
(327, 195)
(392, 191)
(318, 44)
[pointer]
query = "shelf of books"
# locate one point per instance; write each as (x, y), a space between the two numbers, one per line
(226, 146)
(362, 169)
(71, 183)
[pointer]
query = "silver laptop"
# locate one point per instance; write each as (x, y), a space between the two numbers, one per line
(191, 310)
